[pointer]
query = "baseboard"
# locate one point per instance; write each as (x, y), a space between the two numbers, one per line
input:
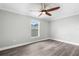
(73, 43)
(13, 46)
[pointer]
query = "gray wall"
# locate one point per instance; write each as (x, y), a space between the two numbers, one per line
(16, 29)
(66, 29)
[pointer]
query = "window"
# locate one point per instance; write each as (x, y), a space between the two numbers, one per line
(35, 28)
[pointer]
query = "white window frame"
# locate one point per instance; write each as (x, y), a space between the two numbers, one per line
(38, 30)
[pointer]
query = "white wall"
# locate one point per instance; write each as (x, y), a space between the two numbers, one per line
(66, 29)
(16, 29)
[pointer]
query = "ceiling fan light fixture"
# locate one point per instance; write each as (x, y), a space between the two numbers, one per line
(46, 11)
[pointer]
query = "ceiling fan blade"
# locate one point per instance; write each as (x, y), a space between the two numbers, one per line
(52, 9)
(42, 7)
(48, 14)
(40, 14)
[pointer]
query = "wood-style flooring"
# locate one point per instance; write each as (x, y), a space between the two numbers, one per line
(43, 48)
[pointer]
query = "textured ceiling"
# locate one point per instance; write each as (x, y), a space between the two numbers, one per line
(32, 9)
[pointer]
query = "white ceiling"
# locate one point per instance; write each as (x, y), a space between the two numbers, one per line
(32, 9)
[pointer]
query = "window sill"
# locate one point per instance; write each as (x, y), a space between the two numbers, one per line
(36, 37)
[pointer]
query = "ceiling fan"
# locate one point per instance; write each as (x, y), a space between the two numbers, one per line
(46, 11)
